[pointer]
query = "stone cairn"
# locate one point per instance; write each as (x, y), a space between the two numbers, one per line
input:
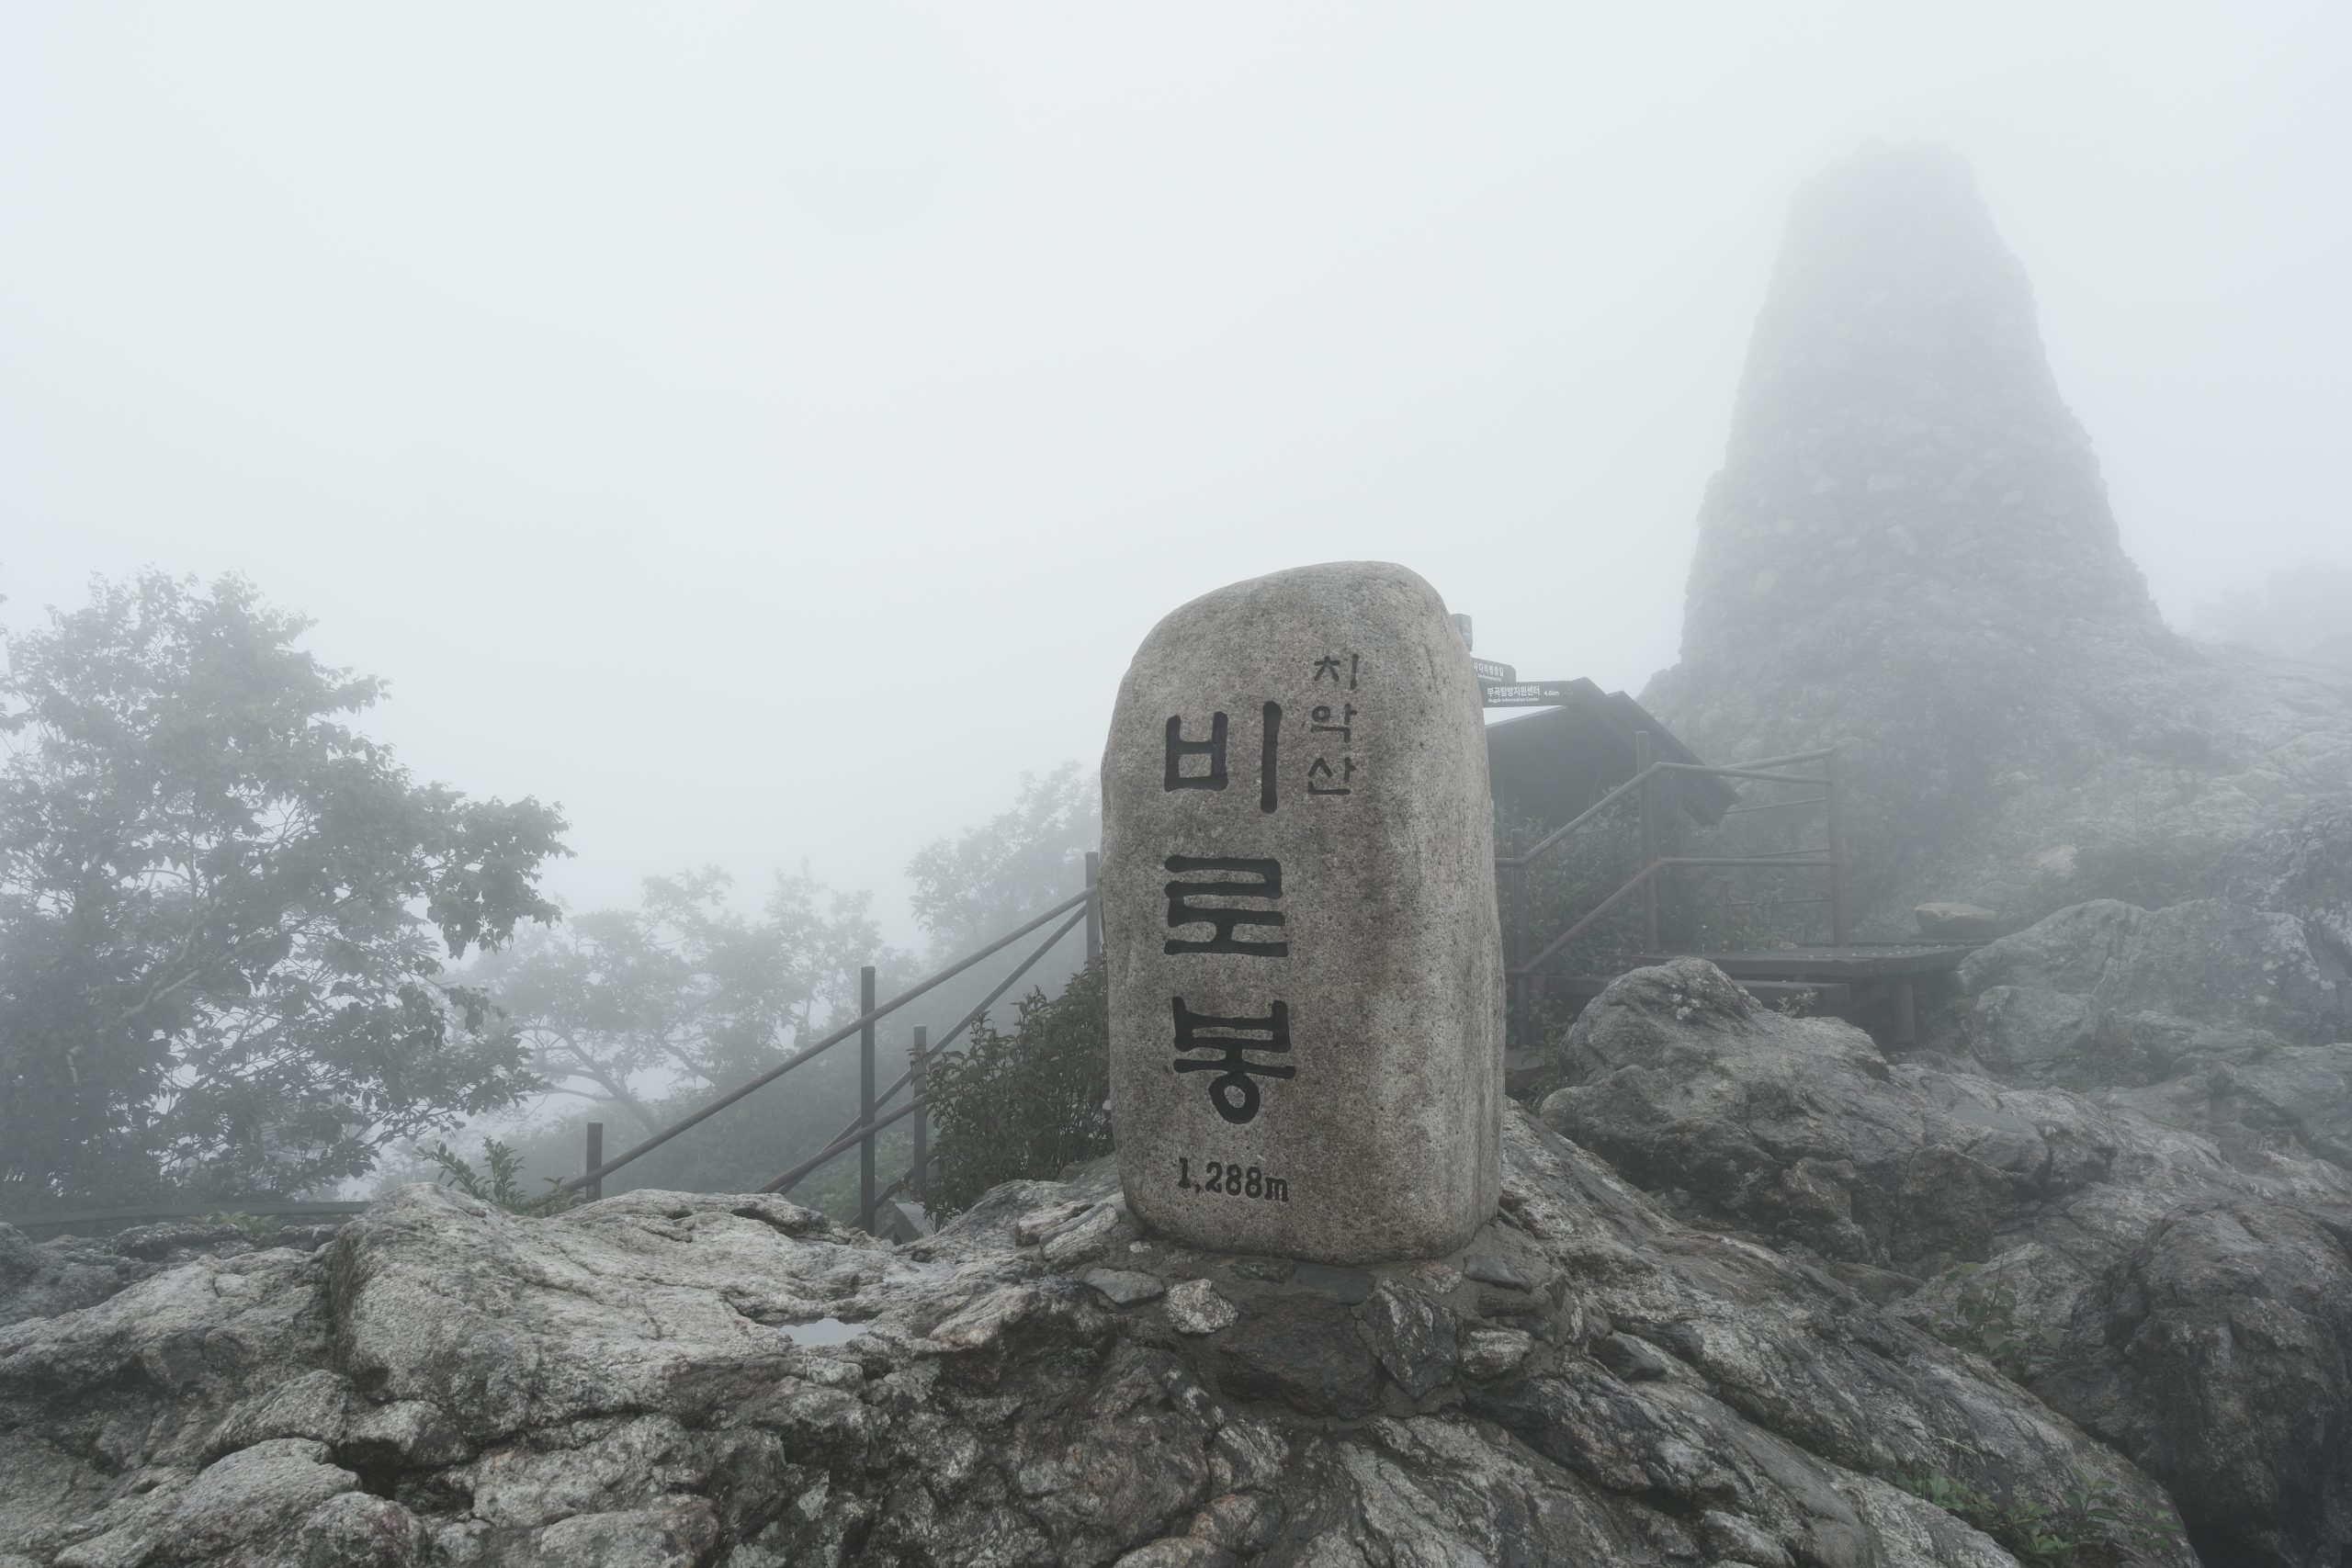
(1299, 903)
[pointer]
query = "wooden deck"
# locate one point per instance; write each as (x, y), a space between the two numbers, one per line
(1849, 961)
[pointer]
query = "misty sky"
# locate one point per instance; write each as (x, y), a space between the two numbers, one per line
(768, 430)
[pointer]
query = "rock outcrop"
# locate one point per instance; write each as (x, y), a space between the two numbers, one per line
(2106, 995)
(666, 1378)
(1908, 553)
(2194, 1311)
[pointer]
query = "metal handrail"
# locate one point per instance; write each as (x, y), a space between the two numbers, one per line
(1643, 875)
(808, 1054)
(1745, 771)
(1826, 857)
(842, 1145)
(850, 1135)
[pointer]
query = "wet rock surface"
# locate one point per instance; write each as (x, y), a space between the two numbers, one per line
(2192, 1309)
(617, 1385)
(42, 1276)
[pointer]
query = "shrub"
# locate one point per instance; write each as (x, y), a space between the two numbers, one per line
(2089, 1514)
(1024, 1103)
(1984, 1320)
(498, 1181)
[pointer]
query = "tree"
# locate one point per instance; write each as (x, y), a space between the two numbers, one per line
(1030, 857)
(681, 989)
(2300, 613)
(224, 914)
(1027, 1103)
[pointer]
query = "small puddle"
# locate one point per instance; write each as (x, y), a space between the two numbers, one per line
(823, 1331)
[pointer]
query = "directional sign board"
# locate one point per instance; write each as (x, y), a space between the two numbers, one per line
(1488, 671)
(1525, 695)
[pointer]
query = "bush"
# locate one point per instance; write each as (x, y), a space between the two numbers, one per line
(1985, 1319)
(499, 1182)
(2089, 1521)
(1027, 1103)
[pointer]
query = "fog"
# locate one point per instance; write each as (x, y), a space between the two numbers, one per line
(769, 431)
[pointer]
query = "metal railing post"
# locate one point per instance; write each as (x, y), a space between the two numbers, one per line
(1836, 846)
(865, 1202)
(920, 1171)
(1515, 939)
(1093, 904)
(1649, 840)
(595, 1158)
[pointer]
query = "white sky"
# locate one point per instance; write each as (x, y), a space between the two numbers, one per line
(769, 429)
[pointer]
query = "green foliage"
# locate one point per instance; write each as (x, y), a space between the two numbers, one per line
(259, 1229)
(498, 1181)
(2089, 1514)
(647, 1013)
(1025, 1103)
(224, 914)
(682, 986)
(1984, 1319)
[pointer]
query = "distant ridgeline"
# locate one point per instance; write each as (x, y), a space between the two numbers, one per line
(1908, 553)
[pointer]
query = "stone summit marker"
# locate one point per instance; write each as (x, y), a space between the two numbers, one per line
(1298, 910)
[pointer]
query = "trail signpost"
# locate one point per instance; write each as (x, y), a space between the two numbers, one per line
(1525, 693)
(1299, 917)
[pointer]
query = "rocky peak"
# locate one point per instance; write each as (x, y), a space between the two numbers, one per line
(1899, 440)
(1908, 553)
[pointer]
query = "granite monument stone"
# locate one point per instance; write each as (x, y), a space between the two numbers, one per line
(1298, 903)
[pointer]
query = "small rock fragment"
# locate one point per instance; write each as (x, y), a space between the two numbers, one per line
(1491, 1352)
(1033, 1229)
(1942, 921)
(1082, 1238)
(1125, 1287)
(1489, 1270)
(1413, 1336)
(1194, 1307)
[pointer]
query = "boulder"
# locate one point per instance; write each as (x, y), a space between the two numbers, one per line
(2219, 1354)
(2293, 1100)
(1591, 1379)
(2070, 1241)
(1946, 921)
(2106, 995)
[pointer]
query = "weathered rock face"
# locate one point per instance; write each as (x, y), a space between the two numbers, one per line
(1908, 553)
(73, 1272)
(2197, 1312)
(2105, 994)
(666, 1378)
(1299, 918)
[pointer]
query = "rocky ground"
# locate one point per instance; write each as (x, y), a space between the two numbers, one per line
(2183, 1298)
(1754, 1290)
(695, 1379)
